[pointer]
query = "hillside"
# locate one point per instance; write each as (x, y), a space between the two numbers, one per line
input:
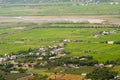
(59, 39)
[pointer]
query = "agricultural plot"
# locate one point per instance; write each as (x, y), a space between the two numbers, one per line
(38, 37)
(52, 9)
(100, 52)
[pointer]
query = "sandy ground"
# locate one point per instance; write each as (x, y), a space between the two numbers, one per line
(112, 19)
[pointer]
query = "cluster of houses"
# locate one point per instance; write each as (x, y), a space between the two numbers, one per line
(53, 52)
(96, 35)
(85, 59)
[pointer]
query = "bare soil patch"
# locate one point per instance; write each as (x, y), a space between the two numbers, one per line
(111, 19)
(65, 77)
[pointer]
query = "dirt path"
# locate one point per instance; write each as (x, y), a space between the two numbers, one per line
(26, 77)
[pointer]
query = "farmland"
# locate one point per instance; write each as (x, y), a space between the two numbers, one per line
(24, 36)
(58, 9)
(59, 40)
(101, 52)
(14, 40)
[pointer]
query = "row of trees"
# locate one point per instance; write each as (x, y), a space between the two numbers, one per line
(115, 62)
(101, 74)
(70, 60)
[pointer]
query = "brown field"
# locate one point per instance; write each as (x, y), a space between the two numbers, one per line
(65, 77)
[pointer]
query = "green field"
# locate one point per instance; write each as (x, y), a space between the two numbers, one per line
(100, 52)
(14, 40)
(60, 8)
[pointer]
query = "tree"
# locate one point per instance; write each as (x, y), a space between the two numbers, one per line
(101, 74)
(22, 70)
(1, 77)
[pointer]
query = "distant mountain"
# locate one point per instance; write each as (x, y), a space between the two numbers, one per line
(38, 1)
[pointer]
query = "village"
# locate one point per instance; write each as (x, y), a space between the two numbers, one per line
(45, 56)
(103, 33)
(40, 54)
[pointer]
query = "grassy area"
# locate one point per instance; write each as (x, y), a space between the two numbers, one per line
(117, 69)
(65, 8)
(38, 71)
(14, 40)
(34, 38)
(100, 52)
(10, 76)
(80, 70)
(76, 71)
